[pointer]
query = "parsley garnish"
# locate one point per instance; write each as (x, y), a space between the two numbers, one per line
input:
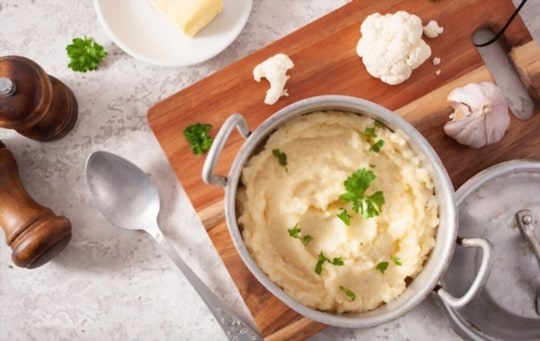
(396, 260)
(350, 295)
(370, 132)
(307, 239)
(356, 185)
(295, 232)
(382, 266)
(376, 147)
(85, 54)
(345, 216)
(282, 157)
(197, 137)
(10, 266)
(371, 135)
(337, 261)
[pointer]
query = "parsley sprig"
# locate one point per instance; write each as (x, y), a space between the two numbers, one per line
(197, 137)
(296, 232)
(356, 186)
(337, 261)
(85, 54)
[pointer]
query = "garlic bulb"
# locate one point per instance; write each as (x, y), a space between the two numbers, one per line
(480, 114)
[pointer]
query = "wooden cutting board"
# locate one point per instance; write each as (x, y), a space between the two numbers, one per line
(324, 53)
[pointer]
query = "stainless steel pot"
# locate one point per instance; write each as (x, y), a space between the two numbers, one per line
(425, 283)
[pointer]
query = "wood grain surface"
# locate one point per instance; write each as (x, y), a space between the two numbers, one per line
(324, 53)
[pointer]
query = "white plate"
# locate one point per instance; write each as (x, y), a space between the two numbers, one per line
(145, 34)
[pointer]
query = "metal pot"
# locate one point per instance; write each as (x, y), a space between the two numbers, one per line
(426, 282)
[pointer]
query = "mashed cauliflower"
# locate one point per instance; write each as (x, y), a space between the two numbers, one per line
(289, 214)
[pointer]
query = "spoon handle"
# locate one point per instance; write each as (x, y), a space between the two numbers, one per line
(232, 325)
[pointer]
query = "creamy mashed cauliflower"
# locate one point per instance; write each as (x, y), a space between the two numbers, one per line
(289, 213)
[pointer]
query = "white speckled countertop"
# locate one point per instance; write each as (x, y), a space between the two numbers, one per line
(111, 284)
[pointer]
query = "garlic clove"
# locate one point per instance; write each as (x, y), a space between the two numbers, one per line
(480, 114)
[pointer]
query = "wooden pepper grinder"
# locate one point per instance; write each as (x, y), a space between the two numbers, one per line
(34, 232)
(33, 103)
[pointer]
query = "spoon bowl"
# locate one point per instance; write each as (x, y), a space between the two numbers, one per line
(122, 192)
(126, 196)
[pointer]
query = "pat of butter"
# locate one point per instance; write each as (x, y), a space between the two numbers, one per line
(189, 15)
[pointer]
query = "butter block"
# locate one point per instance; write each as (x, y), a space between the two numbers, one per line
(190, 16)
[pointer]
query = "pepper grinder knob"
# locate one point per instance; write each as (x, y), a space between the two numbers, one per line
(33, 103)
(34, 232)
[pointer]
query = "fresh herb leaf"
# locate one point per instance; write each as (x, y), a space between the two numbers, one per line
(374, 204)
(197, 137)
(337, 261)
(282, 157)
(350, 295)
(85, 54)
(10, 266)
(320, 262)
(371, 135)
(396, 260)
(370, 132)
(345, 217)
(376, 147)
(382, 266)
(295, 231)
(356, 185)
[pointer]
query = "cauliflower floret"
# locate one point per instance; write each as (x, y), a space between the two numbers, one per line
(274, 69)
(391, 46)
(432, 29)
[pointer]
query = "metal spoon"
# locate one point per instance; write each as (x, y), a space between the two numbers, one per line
(126, 196)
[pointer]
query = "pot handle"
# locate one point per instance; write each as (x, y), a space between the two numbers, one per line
(481, 277)
(234, 121)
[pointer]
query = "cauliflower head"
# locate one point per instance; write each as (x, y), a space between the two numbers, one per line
(391, 46)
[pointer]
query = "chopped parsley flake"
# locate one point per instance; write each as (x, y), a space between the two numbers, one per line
(307, 239)
(282, 157)
(337, 261)
(370, 132)
(345, 217)
(371, 135)
(382, 266)
(295, 233)
(376, 147)
(350, 295)
(396, 260)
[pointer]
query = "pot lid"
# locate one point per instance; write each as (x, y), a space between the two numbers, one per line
(492, 205)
